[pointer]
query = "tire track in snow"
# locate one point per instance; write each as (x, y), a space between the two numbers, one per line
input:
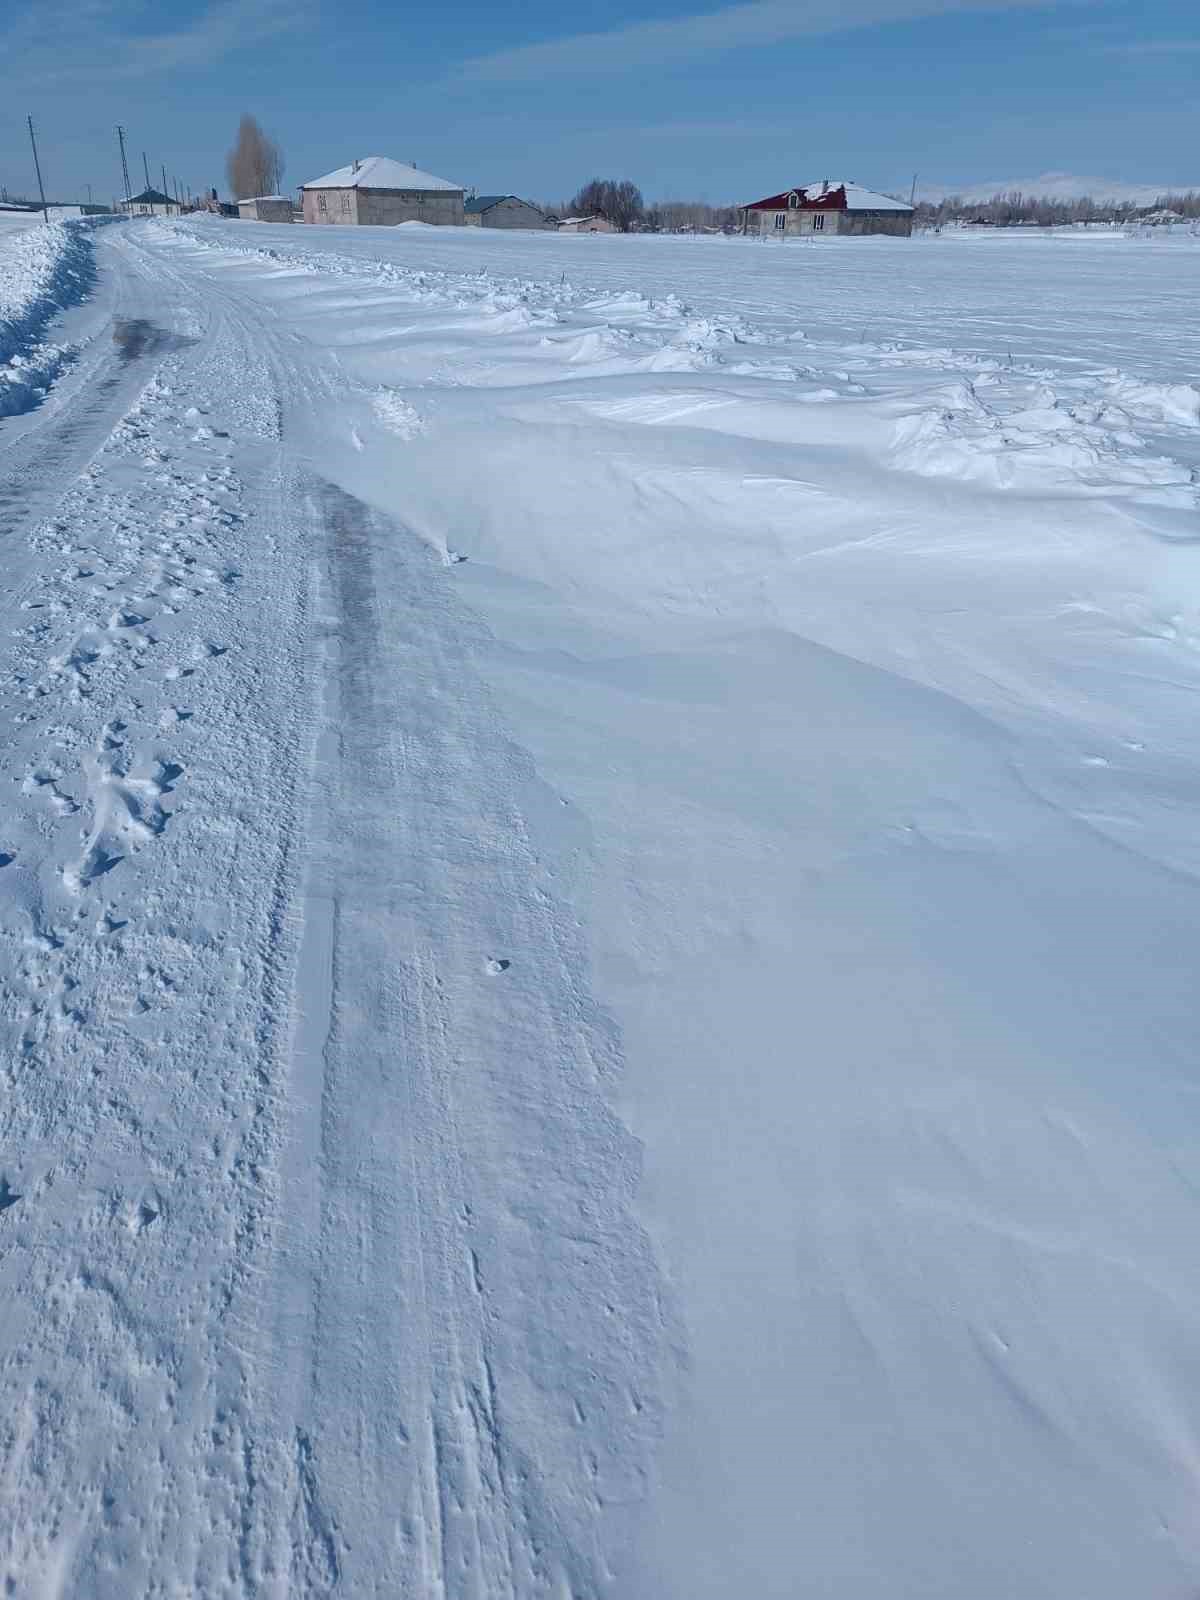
(484, 1305)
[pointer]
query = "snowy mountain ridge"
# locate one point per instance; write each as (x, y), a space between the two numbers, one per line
(1056, 186)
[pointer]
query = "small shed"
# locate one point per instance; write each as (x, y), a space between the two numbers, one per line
(504, 211)
(380, 192)
(825, 209)
(595, 224)
(150, 203)
(266, 208)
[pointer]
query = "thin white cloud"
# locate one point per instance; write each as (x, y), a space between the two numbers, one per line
(744, 129)
(216, 33)
(55, 42)
(1155, 47)
(762, 22)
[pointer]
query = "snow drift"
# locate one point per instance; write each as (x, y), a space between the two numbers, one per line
(43, 270)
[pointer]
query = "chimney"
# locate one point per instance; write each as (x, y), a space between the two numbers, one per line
(356, 163)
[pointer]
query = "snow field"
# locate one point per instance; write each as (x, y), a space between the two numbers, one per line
(852, 652)
(690, 1093)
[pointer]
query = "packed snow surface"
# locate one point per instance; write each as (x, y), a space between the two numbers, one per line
(600, 924)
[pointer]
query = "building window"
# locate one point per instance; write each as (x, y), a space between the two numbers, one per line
(781, 219)
(819, 220)
(321, 206)
(346, 201)
(793, 200)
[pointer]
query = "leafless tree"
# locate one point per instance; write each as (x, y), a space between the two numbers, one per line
(619, 201)
(691, 216)
(255, 164)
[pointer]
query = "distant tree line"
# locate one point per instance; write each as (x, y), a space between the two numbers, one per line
(1006, 210)
(621, 202)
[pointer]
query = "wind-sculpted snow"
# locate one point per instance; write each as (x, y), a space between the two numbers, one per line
(599, 942)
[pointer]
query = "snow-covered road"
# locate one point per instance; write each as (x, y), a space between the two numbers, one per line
(599, 922)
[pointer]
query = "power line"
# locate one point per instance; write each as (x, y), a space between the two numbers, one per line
(38, 169)
(124, 163)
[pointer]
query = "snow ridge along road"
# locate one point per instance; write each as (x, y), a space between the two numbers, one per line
(599, 921)
(42, 271)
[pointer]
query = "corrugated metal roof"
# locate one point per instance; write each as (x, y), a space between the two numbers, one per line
(485, 202)
(381, 172)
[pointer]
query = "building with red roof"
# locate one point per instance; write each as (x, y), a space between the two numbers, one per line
(823, 209)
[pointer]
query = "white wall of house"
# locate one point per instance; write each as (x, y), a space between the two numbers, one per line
(383, 208)
(265, 210)
(797, 220)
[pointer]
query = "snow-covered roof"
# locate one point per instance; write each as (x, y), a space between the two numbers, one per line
(149, 197)
(857, 198)
(253, 199)
(381, 172)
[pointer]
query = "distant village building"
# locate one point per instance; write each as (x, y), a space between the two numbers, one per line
(1162, 217)
(265, 208)
(827, 208)
(504, 211)
(150, 203)
(586, 225)
(380, 192)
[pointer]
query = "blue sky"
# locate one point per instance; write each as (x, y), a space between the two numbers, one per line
(723, 103)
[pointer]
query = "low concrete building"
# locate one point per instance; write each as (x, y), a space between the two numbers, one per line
(586, 225)
(823, 209)
(266, 208)
(150, 203)
(504, 211)
(379, 192)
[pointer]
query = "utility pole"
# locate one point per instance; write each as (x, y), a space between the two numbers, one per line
(166, 191)
(912, 195)
(89, 190)
(38, 169)
(146, 168)
(124, 163)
